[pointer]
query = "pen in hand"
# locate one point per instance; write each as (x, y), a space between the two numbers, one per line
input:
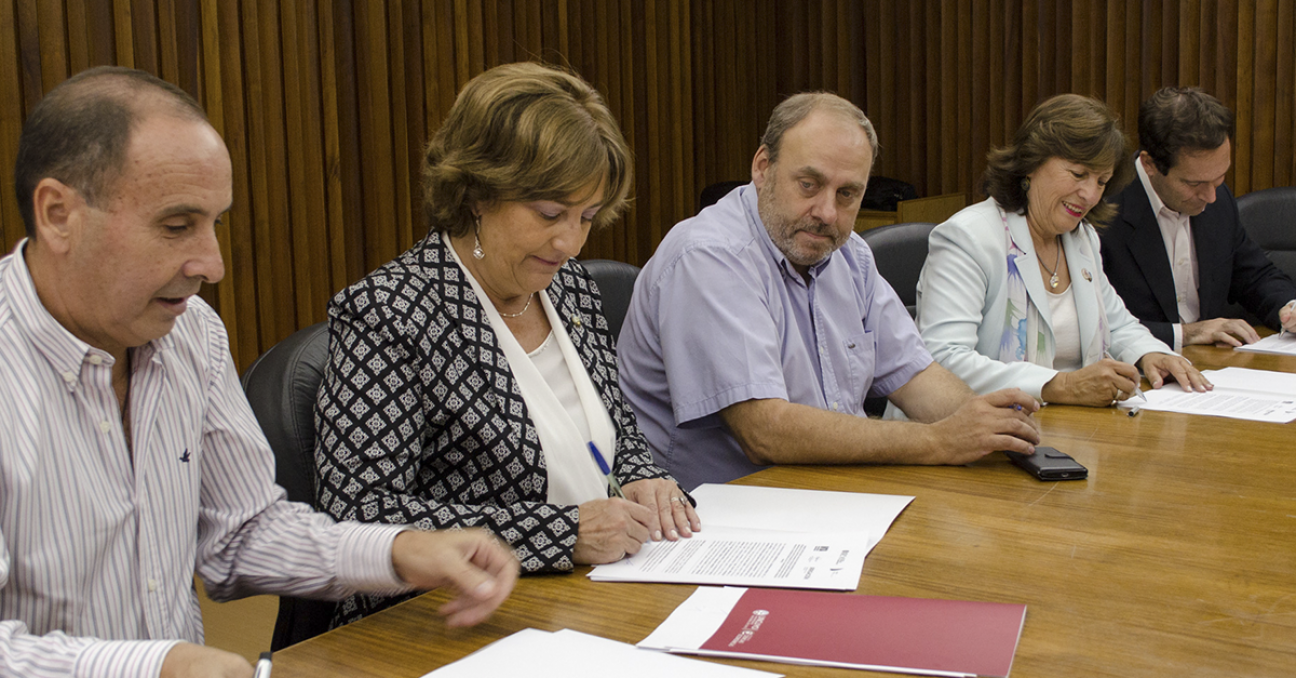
(263, 666)
(603, 466)
(1138, 392)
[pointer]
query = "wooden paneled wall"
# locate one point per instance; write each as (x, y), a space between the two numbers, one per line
(325, 105)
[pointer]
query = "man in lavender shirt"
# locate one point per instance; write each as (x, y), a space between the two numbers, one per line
(760, 325)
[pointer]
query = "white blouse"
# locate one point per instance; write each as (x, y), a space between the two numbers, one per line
(548, 358)
(1068, 356)
(574, 476)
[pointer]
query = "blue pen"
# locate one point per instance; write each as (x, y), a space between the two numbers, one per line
(603, 466)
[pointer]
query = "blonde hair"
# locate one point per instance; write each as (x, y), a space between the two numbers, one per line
(523, 131)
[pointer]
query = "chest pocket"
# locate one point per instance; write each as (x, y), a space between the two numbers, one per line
(861, 359)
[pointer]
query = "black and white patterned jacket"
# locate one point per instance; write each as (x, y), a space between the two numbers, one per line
(421, 422)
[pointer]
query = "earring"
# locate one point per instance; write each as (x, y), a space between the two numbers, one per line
(1025, 184)
(477, 250)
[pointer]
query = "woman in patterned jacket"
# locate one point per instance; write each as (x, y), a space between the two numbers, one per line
(472, 378)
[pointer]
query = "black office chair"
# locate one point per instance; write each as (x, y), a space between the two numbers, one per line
(900, 251)
(712, 194)
(615, 280)
(1269, 217)
(281, 387)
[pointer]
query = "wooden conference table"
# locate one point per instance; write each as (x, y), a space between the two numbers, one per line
(1176, 557)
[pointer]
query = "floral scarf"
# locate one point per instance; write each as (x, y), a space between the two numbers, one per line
(1024, 338)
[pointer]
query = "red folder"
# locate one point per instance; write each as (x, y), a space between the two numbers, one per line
(912, 635)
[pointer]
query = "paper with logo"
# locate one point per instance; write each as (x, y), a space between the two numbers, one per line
(902, 635)
(571, 654)
(1239, 393)
(761, 536)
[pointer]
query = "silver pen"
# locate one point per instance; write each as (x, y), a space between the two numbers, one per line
(1137, 391)
(263, 666)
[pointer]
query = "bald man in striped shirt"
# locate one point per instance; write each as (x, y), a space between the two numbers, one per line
(129, 457)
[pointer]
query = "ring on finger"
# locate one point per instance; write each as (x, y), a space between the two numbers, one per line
(681, 500)
(1119, 394)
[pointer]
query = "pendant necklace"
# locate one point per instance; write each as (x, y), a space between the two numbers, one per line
(1053, 272)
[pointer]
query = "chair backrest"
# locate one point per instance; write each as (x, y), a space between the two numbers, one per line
(712, 193)
(900, 251)
(615, 280)
(281, 387)
(1269, 217)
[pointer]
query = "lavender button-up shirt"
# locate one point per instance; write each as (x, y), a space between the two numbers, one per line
(719, 316)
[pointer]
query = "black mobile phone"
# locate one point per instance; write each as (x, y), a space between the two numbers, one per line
(1049, 464)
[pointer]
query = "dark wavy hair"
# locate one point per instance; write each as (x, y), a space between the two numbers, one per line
(1075, 128)
(1178, 118)
(79, 132)
(523, 131)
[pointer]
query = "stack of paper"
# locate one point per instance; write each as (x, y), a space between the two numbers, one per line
(1282, 343)
(905, 635)
(762, 536)
(570, 654)
(1239, 393)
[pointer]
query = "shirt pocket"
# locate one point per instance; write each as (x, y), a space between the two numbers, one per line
(861, 360)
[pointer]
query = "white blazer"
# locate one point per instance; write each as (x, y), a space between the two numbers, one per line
(963, 297)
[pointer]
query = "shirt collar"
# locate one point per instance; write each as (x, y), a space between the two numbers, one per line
(65, 353)
(1157, 203)
(750, 204)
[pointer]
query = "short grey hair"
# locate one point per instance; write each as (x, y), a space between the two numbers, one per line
(795, 108)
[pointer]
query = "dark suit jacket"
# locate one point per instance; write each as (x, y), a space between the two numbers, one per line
(1231, 267)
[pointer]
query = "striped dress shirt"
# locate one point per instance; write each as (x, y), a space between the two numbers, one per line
(98, 550)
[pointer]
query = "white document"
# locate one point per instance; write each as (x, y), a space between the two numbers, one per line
(571, 654)
(775, 508)
(1282, 343)
(695, 620)
(1240, 393)
(759, 536)
(730, 555)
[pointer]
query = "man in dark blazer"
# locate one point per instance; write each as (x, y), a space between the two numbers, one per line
(1176, 252)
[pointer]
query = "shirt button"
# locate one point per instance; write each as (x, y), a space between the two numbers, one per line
(96, 360)
(152, 584)
(105, 426)
(69, 377)
(834, 406)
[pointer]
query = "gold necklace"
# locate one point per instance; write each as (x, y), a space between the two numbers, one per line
(524, 308)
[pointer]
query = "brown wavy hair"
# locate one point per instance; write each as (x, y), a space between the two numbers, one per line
(1075, 128)
(523, 131)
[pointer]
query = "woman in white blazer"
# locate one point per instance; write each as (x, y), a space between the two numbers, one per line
(1013, 292)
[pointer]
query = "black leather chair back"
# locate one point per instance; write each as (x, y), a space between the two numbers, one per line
(615, 280)
(1269, 217)
(900, 251)
(713, 192)
(281, 387)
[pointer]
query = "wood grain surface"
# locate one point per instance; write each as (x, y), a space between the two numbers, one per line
(1177, 557)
